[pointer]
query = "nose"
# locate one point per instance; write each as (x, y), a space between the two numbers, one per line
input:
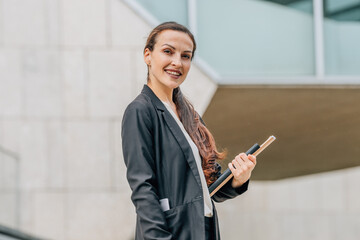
(176, 61)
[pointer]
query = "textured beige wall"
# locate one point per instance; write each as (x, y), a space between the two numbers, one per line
(68, 68)
(320, 206)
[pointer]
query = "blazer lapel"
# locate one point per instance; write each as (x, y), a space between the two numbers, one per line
(176, 131)
(184, 144)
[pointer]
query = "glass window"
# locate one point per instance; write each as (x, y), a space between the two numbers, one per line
(167, 10)
(342, 37)
(301, 5)
(256, 38)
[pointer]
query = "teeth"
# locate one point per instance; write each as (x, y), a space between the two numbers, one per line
(173, 73)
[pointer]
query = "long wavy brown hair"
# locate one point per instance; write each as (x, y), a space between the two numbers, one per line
(188, 116)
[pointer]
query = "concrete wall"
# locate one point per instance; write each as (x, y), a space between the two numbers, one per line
(68, 68)
(317, 207)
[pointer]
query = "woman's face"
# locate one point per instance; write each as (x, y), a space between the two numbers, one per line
(170, 60)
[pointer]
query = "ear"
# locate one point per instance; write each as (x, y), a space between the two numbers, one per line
(147, 57)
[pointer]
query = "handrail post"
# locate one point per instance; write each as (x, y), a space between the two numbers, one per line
(16, 158)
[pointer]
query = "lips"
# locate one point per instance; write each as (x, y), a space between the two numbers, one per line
(173, 72)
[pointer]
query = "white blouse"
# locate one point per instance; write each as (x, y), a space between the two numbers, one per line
(208, 210)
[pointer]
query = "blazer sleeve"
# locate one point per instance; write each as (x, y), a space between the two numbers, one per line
(139, 157)
(228, 192)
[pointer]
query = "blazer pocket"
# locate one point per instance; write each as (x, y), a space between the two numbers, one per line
(170, 212)
(184, 217)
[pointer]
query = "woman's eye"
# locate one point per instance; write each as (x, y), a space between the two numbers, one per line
(167, 51)
(186, 56)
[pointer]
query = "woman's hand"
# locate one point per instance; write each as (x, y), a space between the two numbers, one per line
(241, 167)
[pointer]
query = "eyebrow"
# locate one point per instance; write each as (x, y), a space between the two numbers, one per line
(175, 48)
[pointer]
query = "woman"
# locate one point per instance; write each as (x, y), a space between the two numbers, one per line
(169, 153)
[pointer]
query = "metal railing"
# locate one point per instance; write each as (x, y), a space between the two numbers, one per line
(12, 234)
(9, 184)
(10, 180)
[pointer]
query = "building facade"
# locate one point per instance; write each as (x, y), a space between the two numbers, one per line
(68, 69)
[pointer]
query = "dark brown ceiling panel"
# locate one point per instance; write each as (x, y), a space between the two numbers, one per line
(317, 128)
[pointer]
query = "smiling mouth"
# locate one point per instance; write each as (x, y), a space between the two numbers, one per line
(175, 73)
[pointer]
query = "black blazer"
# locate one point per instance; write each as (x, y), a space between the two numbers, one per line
(160, 164)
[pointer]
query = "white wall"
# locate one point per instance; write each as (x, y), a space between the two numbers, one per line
(68, 69)
(320, 206)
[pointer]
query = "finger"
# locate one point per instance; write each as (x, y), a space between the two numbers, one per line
(235, 159)
(236, 164)
(240, 168)
(245, 166)
(232, 169)
(241, 162)
(245, 158)
(242, 156)
(248, 159)
(236, 169)
(250, 165)
(239, 159)
(252, 158)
